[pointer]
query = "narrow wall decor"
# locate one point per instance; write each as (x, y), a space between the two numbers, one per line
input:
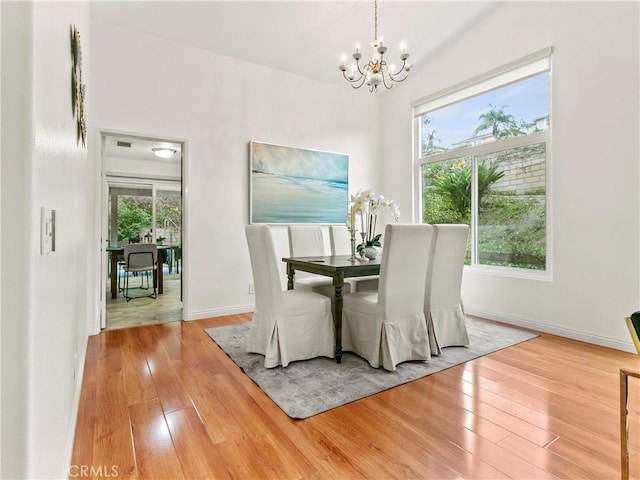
(78, 89)
(294, 185)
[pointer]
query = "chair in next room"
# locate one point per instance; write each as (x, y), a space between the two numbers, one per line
(140, 259)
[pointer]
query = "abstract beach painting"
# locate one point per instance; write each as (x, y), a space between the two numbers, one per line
(295, 185)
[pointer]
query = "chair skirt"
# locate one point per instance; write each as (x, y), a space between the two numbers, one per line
(447, 328)
(303, 330)
(388, 343)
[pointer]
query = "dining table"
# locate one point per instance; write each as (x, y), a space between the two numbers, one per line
(338, 267)
(116, 251)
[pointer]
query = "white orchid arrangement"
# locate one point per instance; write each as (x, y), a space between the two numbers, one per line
(366, 205)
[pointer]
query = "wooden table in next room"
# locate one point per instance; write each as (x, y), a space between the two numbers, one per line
(115, 252)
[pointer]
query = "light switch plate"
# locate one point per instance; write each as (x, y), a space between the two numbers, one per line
(47, 230)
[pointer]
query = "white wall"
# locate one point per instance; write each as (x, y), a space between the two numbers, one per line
(134, 167)
(594, 164)
(16, 103)
(217, 105)
(44, 298)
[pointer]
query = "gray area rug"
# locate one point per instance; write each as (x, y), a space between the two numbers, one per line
(306, 388)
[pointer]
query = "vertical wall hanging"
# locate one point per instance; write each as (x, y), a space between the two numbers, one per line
(78, 89)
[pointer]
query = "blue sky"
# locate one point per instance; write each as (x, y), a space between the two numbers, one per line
(526, 100)
(297, 162)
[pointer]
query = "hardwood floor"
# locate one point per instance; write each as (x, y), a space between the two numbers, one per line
(164, 401)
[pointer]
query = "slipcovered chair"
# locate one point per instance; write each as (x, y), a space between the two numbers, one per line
(140, 258)
(341, 245)
(339, 240)
(387, 327)
(287, 325)
(442, 300)
(307, 241)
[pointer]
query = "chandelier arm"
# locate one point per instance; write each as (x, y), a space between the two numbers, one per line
(362, 80)
(355, 80)
(396, 79)
(384, 79)
(366, 68)
(393, 76)
(355, 87)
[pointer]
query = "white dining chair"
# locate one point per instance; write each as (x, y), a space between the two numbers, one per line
(388, 326)
(287, 325)
(442, 301)
(341, 245)
(308, 241)
(140, 259)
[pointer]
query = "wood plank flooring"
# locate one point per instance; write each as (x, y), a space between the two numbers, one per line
(163, 401)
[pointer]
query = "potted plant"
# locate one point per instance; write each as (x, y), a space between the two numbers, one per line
(367, 205)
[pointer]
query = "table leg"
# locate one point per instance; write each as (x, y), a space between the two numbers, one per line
(338, 283)
(114, 274)
(159, 270)
(290, 274)
(624, 420)
(624, 426)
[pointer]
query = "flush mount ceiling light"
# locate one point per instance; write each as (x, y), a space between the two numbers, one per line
(163, 152)
(376, 71)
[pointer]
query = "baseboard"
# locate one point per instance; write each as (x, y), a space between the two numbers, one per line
(73, 421)
(219, 312)
(561, 332)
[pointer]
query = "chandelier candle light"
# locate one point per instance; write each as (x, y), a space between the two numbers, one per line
(376, 71)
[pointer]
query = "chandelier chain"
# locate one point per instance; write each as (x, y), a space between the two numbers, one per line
(375, 16)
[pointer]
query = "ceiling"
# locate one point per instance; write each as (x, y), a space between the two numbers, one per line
(137, 148)
(306, 38)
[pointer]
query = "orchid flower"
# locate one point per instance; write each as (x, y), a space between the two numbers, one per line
(368, 206)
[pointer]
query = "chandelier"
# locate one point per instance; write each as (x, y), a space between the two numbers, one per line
(376, 71)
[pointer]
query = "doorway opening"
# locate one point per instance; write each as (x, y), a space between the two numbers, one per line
(143, 203)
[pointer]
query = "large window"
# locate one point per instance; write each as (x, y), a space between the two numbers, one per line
(482, 158)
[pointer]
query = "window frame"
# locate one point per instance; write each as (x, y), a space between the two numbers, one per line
(526, 67)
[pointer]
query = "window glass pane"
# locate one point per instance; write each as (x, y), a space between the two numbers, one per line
(168, 217)
(446, 193)
(519, 108)
(446, 190)
(133, 215)
(512, 208)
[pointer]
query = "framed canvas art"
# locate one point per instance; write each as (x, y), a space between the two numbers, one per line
(294, 185)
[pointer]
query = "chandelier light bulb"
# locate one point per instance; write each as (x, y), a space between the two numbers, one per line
(376, 71)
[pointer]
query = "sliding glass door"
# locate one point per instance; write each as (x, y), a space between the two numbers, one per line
(131, 213)
(145, 213)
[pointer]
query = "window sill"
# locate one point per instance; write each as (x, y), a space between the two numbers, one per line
(523, 273)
